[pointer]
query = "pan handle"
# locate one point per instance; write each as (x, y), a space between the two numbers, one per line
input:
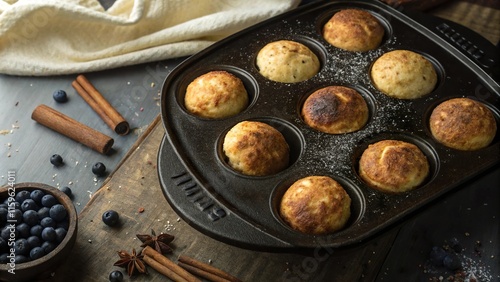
(484, 53)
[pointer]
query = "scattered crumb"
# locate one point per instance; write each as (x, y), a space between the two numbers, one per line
(168, 226)
(140, 210)
(473, 267)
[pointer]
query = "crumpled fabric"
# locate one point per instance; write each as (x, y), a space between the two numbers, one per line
(57, 37)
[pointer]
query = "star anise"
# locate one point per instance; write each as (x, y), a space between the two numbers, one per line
(131, 262)
(159, 243)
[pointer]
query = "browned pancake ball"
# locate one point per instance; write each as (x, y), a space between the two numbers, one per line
(216, 94)
(404, 74)
(393, 166)
(256, 148)
(287, 61)
(353, 30)
(316, 205)
(335, 110)
(463, 124)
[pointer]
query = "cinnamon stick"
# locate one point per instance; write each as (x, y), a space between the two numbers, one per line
(166, 262)
(100, 105)
(162, 269)
(202, 273)
(73, 129)
(185, 260)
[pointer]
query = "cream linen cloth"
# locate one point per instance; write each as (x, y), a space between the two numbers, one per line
(55, 37)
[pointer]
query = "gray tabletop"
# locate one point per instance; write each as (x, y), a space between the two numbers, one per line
(26, 146)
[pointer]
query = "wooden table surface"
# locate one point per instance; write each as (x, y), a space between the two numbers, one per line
(399, 253)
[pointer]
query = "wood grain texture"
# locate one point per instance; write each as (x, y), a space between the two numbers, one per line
(481, 19)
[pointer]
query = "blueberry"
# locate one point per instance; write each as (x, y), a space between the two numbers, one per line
(7, 231)
(48, 246)
(60, 234)
(21, 259)
(58, 212)
(36, 253)
(99, 169)
(16, 215)
(17, 205)
(48, 201)
(3, 215)
(4, 258)
(29, 204)
(47, 222)
(437, 255)
(31, 217)
(23, 230)
(110, 218)
(34, 241)
(36, 195)
(21, 247)
(455, 245)
(115, 276)
(3, 245)
(66, 190)
(49, 234)
(60, 96)
(63, 224)
(56, 160)
(36, 230)
(22, 195)
(43, 212)
(452, 261)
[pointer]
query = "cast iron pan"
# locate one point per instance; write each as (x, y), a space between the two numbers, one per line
(242, 210)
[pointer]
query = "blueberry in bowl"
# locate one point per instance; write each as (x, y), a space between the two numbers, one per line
(42, 231)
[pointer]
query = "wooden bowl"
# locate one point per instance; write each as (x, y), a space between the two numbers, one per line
(43, 267)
